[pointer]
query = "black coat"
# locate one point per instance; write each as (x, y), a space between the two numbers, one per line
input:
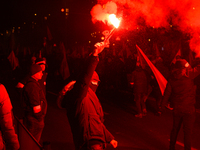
(84, 110)
(33, 96)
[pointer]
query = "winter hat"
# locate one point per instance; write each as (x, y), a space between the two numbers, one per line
(35, 68)
(40, 61)
(181, 64)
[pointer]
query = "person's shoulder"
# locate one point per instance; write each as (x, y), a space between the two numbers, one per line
(31, 83)
(2, 88)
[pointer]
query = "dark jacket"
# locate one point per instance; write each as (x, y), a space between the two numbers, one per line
(84, 110)
(7, 132)
(33, 96)
(182, 91)
(139, 77)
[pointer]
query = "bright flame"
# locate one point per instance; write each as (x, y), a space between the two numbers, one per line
(114, 20)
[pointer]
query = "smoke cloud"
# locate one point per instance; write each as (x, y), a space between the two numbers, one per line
(184, 14)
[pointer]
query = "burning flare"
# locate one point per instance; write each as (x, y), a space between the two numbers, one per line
(114, 20)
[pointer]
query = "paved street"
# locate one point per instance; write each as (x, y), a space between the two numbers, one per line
(149, 133)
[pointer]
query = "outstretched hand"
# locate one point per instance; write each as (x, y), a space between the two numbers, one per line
(99, 47)
(114, 143)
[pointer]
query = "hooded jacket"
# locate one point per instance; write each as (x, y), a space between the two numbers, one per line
(7, 134)
(84, 110)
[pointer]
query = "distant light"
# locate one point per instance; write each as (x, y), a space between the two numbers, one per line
(149, 40)
(13, 30)
(163, 49)
(35, 22)
(45, 18)
(62, 9)
(127, 40)
(99, 32)
(193, 7)
(18, 27)
(1, 34)
(24, 22)
(102, 37)
(94, 36)
(49, 14)
(89, 41)
(6, 31)
(67, 9)
(32, 22)
(170, 26)
(54, 45)
(113, 44)
(66, 13)
(137, 28)
(35, 14)
(153, 27)
(94, 32)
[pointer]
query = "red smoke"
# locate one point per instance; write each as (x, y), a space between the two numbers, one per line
(184, 14)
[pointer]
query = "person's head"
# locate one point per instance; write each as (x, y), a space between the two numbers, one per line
(36, 72)
(181, 66)
(33, 59)
(94, 81)
(41, 62)
(138, 64)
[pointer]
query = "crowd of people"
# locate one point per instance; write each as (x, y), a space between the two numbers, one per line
(79, 72)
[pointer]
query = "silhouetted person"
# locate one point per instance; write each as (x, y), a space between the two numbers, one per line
(8, 137)
(181, 89)
(35, 104)
(84, 110)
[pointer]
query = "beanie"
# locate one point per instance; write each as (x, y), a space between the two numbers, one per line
(40, 61)
(35, 69)
(181, 64)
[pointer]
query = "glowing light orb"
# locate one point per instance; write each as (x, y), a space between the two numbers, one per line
(102, 38)
(62, 10)
(114, 20)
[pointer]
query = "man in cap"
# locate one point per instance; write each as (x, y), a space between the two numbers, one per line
(181, 89)
(42, 81)
(84, 110)
(35, 104)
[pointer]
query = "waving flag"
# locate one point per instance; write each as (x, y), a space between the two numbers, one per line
(162, 82)
(13, 60)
